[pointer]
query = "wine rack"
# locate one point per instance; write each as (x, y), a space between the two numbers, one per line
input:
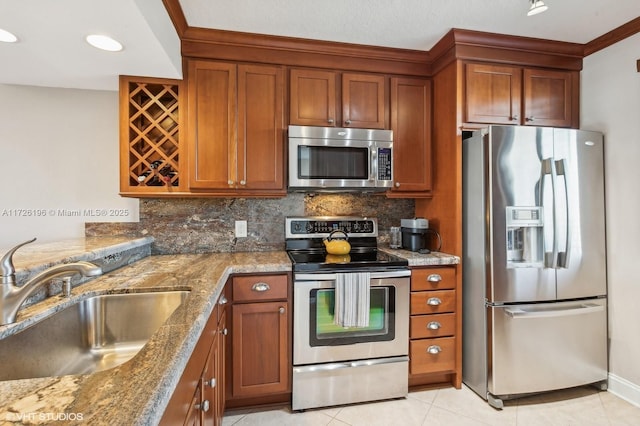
(151, 156)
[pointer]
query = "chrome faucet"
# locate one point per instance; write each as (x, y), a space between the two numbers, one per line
(12, 296)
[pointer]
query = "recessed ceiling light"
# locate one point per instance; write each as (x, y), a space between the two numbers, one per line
(537, 6)
(104, 42)
(7, 37)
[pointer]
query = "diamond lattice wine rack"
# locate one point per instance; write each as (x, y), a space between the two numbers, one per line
(150, 132)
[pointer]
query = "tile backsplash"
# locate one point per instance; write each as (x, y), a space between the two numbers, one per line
(204, 225)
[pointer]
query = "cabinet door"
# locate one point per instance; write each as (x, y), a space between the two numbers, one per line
(313, 98)
(260, 349)
(260, 127)
(411, 125)
(493, 94)
(221, 368)
(212, 124)
(363, 101)
(547, 98)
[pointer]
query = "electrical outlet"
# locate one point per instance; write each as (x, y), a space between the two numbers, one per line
(241, 228)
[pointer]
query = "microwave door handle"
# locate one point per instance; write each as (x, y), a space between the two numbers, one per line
(373, 172)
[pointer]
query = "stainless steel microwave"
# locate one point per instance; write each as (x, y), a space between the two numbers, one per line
(340, 159)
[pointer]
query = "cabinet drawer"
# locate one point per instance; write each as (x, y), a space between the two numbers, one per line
(433, 279)
(432, 355)
(433, 302)
(426, 326)
(259, 287)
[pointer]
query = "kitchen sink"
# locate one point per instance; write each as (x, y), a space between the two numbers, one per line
(95, 334)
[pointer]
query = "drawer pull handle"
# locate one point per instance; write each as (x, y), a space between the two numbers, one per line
(434, 325)
(434, 301)
(434, 349)
(434, 278)
(260, 287)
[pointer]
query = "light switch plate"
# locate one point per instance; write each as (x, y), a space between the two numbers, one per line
(241, 228)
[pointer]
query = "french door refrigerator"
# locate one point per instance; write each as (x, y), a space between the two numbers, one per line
(534, 279)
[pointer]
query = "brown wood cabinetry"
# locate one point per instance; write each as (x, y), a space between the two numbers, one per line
(236, 128)
(411, 125)
(260, 353)
(500, 94)
(199, 397)
(315, 99)
(434, 333)
(152, 154)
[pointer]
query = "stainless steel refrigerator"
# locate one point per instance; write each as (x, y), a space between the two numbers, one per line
(534, 261)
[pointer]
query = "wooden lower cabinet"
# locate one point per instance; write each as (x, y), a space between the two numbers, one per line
(434, 333)
(260, 364)
(199, 396)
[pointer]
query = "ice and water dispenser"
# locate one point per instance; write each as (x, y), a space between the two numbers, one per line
(525, 238)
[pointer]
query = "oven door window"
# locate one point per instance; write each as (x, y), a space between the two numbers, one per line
(330, 162)
(323, 332)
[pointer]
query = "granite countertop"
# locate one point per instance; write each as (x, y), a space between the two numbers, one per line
(434, 258)
(136, 392)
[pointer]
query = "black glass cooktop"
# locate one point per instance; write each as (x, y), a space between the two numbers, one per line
(305, 261)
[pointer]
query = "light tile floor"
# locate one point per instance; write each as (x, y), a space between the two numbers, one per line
(451, 407)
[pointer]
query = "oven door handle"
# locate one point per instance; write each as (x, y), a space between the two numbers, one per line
(350, 364)
(333, 277)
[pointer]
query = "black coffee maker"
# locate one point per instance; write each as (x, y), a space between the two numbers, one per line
(416, 235)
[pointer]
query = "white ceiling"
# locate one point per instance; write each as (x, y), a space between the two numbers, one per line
(52, 52)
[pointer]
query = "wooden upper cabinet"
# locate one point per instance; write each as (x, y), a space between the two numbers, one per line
(363, 103)
(327, 98)
(497, 94)
(260, 127)
(236, 128)
(411, 125)
(548, 98)
(493, 94)
(212, 88)
(313, 98)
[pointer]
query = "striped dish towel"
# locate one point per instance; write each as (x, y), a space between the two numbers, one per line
(352, 301)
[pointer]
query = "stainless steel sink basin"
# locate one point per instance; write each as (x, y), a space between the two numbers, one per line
(95, 334)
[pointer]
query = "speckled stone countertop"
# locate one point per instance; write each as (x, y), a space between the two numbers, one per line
(417, 259)
(136, 392)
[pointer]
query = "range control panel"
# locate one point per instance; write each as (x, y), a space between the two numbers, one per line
(318, 227)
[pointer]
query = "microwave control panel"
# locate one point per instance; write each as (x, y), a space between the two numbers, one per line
(384, 164)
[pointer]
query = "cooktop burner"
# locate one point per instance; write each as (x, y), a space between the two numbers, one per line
(304, 244)
(314, 261)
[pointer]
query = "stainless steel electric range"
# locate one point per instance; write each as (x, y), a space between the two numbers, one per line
(336, 364)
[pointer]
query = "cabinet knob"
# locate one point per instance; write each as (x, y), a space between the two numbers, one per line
(434, 349)
(243, 182)
(434, 325)
(260, 287)
(434, 278)
(225, 331)
(281, 310)
(397, 184)
(347, 122)
(514, 118)
(434, 301)
(204, 406)
(330, 121)
(230, 182)
(223, 300)
(211, 383)
(532, 118)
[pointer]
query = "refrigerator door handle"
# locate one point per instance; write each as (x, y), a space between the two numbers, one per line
(549, 168)
(563, 256)
(585, 308)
